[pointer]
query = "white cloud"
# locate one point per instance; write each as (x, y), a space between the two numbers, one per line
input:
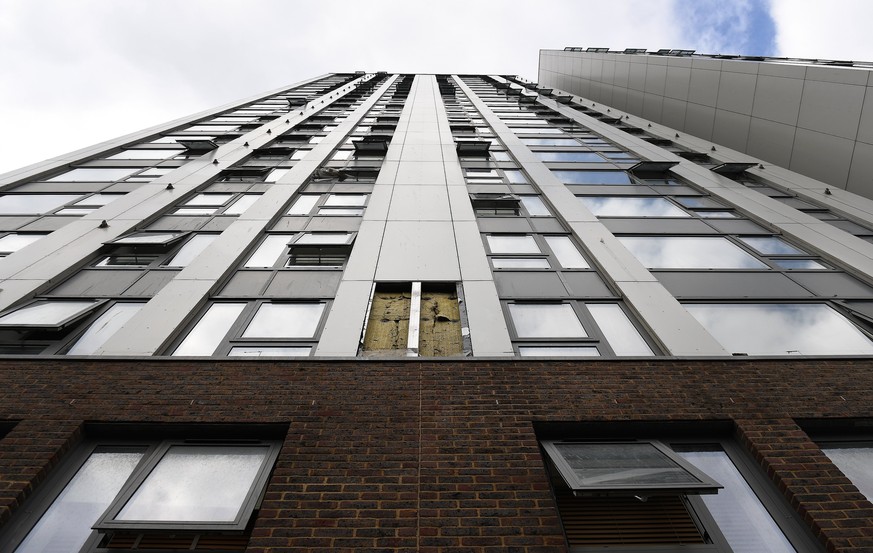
(838, 29)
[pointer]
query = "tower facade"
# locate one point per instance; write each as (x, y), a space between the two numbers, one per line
(421, 312)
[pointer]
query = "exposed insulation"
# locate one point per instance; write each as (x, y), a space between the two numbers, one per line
(388, 325)
(440, 327)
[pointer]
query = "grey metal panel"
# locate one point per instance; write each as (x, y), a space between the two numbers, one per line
(529, 284)
(771, 141)
(738, 226)
(699, 120)
(736, 92)
(831, 108)
(246, 284)
(586, 284)
(504, 224)
(66, 188)
(419, 203)
(290, 224)
(731, 129)
(150, 283)
(703, 88)
(13, 223)
(422, 250)
(218, 224)
(865, 126)
(861, 171)
(547, 224)
(719, 284)
(48, 224)
(488, 332)
(343, 329)
(657, 226)
(822, 156)
(833, 284)
(304, 284)
(96, 283)
(778, 99)
(345, 224)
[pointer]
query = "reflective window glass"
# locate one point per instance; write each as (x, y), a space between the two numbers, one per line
(585, 157)
(99, 199)
(242, 204)
(196, 483)
(626, 206)
(346, 200)
(47, 313)
(550, 142)
(781, 328)
(323, 238)
(285, 320)
(303, 205)
(195, 211)
(105, 326)
(743, 520)
(66, 525)
(191, 249)
(801, 264)
(277, 174)
(269, 251)
(14, 242)
(558, 351)
(566, 252)
(512, 243)
(856, 463)
(520, 263)
(23, 204)
(534, 206)
(145, 154)
(698, 202)
(546, 320)
(209, 199)
(210, 330)
(619, 331)
(95, 174)
(689, 252)
(515, 177)
(593, 177)
(771, 245)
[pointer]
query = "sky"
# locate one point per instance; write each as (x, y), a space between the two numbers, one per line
(77, 72)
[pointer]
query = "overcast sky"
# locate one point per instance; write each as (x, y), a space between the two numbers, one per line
(77, 72)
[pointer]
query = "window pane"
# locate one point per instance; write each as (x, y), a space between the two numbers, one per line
(780, 329)
(589, 157)
(285, 320)
(303, 205)
(520, 263)
(99, 199)
(195, 211)
(101, 174)
(512, 244)
(799, 264)
(210, 329)
(622, 464)
(535, 206)
(209, 199)
(622, 206)
(241, 204)
(555, 320)
(66, 525)
(323, 238)
(515, 177)
(771, 245)
(191, 249)
(740, 516)
(48, 313)
(593, 177)
(145, 154)
(566, 252)
(157, 238)
(857, 464)
(549, 142)
(558, 351)
(336, 211)
(618, 330)
(346, 200)
(258, 351)
(277, 174)
(14, 242)
(269, 251)
(196, 483)
(21, 204)
(105, 326)
(687, 252)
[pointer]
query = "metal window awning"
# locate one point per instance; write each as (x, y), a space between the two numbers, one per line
(652, 167)
(468, 148)
(197, 145)
(372, 144)
(732, 168)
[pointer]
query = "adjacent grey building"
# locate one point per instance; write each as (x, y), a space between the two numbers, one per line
(814, 117)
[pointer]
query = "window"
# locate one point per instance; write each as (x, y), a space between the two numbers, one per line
(579, 157)
(49, 314)
(628, 206)
(33, 204)
(593, 177)
(191, 249)
(566, 252)
(689, 252)
(104, 327)
(781, 329)
(645, 495)
(511, 244)
(95, 174)
(285, 320)
(544, 320)
(141, 489)
(210, 330)
(15, 241)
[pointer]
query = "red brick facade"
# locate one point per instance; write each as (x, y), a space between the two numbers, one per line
(440, 455)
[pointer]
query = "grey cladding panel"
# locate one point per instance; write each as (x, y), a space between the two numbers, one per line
(13, 223)
(345, 224)
(218, 224)
(586, 284)
(833, 284)
(150, 284)
(49, 224)
(547, 224)
(718, 284)
(246, 284)
(740, 226)
(657, 226)
(529, 285)
(304, 284)
(503, 224)
(97, 283)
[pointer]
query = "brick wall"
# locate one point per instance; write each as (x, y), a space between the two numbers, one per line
(439, 455)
